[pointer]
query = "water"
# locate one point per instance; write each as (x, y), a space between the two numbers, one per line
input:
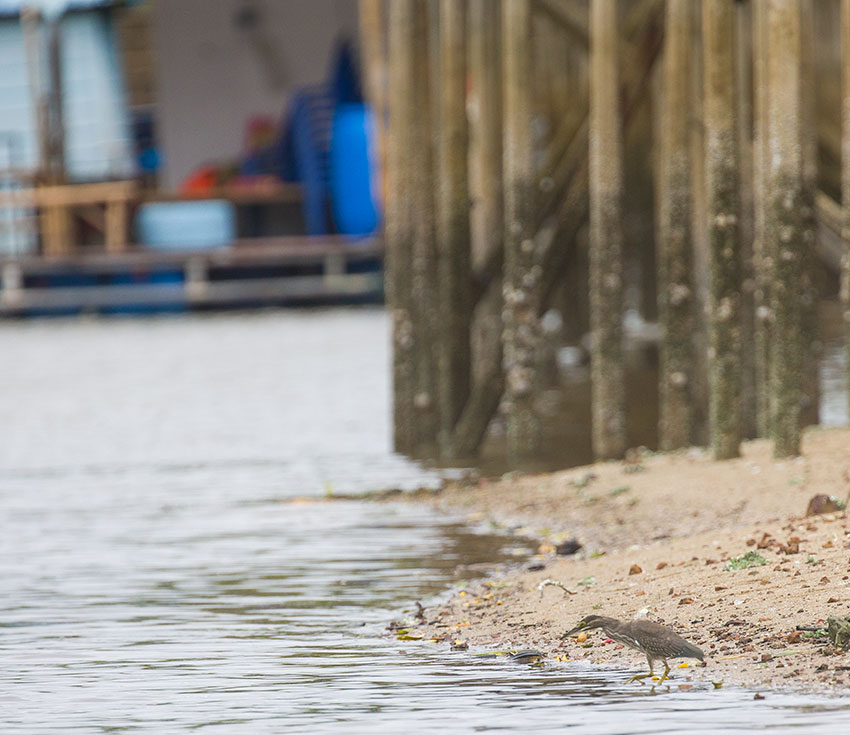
(833, 380)
(168, 565)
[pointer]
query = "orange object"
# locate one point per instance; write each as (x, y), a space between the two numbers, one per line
(202, 181)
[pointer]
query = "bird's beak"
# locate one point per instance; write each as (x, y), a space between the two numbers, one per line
(573, 631)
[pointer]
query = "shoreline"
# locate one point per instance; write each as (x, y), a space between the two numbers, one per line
(659, 536)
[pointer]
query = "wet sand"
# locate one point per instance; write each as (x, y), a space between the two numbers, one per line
(658, 532)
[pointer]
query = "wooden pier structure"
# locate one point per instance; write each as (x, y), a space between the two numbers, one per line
(687, 161)
(254, 272)
(116, 274)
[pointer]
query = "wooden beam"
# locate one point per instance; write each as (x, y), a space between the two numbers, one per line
(572, 17)
(69, 195)
(487, 225)
(272, 251)
(294, 289)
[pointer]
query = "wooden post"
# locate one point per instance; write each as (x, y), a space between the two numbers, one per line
(700, 247)
(422, 201)
(721, 169)
(55, 225)
(783, 221)
(522, 274)
(11, 284)
(32, 37)
(844, 293)
(487, 221)
(675, 284)
(55, 117)
(398, 216)
(608, 398)
(745, 102)
(762, 263)
(453, 225)
(116, 226)
(812, 346)
(371, 16)
(485, 164)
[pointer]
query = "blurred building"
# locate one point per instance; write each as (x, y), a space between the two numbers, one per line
(220, 62)
(161, 129)
(95, 115)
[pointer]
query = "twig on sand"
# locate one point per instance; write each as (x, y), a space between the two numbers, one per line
(554, 583)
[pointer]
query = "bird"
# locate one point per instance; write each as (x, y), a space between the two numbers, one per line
(653, 640)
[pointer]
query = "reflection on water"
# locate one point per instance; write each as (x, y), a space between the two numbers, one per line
(156, 577)
(833, 378)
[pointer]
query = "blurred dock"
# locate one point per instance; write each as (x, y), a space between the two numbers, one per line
(223, 271)
(120, 195)
(272, 271)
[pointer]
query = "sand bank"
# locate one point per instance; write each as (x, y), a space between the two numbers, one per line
(659, 534)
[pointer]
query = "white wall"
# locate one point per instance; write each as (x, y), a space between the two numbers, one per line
(212, 76)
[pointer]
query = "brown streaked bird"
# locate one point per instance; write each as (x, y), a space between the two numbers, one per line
(655, 641)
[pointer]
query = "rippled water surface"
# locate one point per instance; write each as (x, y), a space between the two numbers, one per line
(167, 563)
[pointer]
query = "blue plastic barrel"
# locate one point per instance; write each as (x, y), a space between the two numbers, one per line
(353, 179)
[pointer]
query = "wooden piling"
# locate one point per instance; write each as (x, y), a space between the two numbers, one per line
(675, 284)
(399, 231)
(425, 258)
(746, 228)
(453, 225)
(608, 397)
(409, 228)
(722, 197)
(487, 222)
(700, 246)
(845, 182)
(812, 346)
(762, 262)
(522, 274)
(784, 223)
(372, 18)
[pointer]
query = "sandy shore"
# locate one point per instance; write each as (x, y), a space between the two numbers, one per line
(657, 534)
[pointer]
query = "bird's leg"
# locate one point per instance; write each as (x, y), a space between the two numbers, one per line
(666, 670)
(640, 677)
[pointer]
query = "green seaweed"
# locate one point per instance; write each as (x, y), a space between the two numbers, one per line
(750, 559)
